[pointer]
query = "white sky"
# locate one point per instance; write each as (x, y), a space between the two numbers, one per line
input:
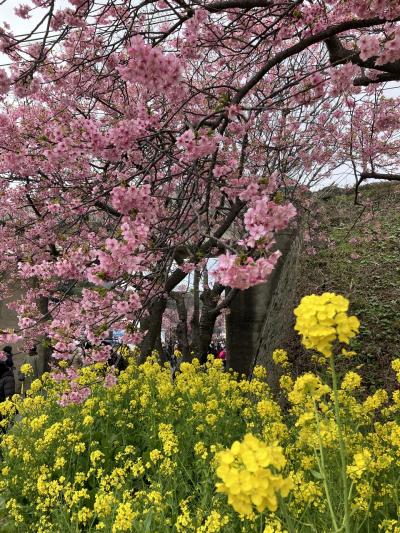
(20, 26)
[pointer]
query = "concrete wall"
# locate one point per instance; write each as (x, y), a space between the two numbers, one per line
(261, 317)
(8, 319)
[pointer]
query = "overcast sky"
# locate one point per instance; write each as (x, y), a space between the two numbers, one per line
(20, 26)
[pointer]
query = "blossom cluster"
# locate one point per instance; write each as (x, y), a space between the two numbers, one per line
(280, 358)
(321, 320)
(391, 51)
(195, 145)
(234, 272)
(149, 66)
(4, 82)
(128, 199)
(342, 78)
(266, 217)
(369, 46)
(247, 478)
(94, 478)
(189, 48)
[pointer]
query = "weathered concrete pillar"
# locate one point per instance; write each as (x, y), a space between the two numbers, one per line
(9, 320)
(261, 316)
(243, 325)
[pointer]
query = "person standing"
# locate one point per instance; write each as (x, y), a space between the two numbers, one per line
(222, 355)
(212, 349)
(7, 382)
(173, 364)
(8, 351)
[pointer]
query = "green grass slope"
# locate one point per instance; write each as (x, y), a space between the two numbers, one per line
(356, 252)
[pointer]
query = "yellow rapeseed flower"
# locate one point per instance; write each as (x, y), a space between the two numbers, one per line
(124, 518)
(26, 369)
(280, 358)
(351, 381)
(321, 320)
(308, 386)
(247, 478)
(360, 464)
(214, 523)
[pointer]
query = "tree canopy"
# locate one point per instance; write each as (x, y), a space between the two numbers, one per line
(140, 139)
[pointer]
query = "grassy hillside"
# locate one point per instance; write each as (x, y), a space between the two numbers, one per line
(356, 252)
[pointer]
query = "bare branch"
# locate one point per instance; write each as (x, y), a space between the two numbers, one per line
(379, 176)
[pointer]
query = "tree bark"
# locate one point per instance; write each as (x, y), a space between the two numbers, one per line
(181, 328)
(152, 323)
(209, 315)
(195, 320)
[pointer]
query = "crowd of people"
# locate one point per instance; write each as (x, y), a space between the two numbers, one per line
(218, 350)
(173, 354)
(8, 370)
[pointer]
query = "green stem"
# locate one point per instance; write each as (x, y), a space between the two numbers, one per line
(286, 514)
(321, 466)
(342, 448)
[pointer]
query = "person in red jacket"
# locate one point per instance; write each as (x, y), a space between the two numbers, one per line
(222, 355)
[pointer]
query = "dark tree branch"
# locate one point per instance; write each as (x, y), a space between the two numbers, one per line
(226, 301)
(107, 208)
(237, 4)
(379, 176)
(338, 54)
(323, 35)
(364, 81)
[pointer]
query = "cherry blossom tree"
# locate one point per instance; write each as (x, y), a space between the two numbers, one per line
(139, 138)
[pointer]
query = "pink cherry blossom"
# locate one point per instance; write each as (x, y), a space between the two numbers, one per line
(369, 46)
(22, 11)
(110, 380)
(149, 66)
(153, 139)
(231, 271)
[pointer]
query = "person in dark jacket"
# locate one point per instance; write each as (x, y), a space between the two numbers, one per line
(8, 351)
(7, 382)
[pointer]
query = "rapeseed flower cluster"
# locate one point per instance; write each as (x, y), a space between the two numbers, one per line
(308, 387)
(280, 358)
(247, 479)
(26, 369)
(321, 320)
(132, 456)
(210, 452)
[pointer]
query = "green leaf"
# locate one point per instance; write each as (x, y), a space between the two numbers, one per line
(317, 474)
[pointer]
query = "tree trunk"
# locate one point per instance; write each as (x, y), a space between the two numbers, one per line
(181, 328)
(160, 350)
(152, 323)
(260, 316)
(44, 349)
(195, 320)
(209, 315)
